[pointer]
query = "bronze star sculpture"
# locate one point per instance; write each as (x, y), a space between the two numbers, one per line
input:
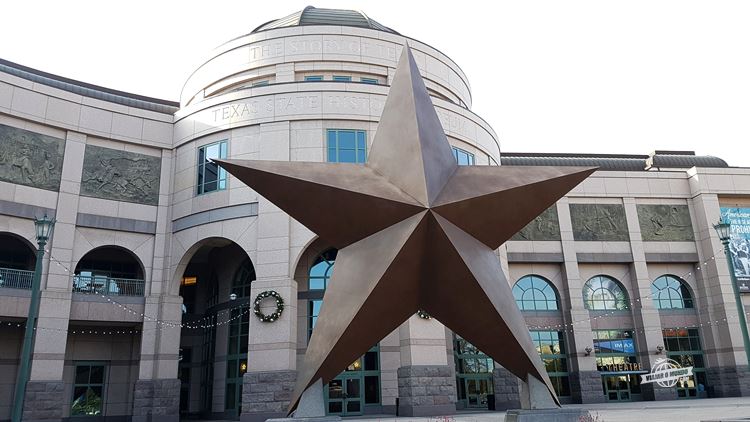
(414, 231)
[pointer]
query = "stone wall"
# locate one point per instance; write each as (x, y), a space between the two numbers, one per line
(266, 394)
(156, 401)
(586, 387)
(426, 390)
(728, 381)
(43, 401)
(507, 389)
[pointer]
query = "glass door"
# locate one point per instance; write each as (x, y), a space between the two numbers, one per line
(477, 389)
(617, 388)
(345, 394)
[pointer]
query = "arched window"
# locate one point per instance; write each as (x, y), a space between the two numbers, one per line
(321, 270)
(604, 293)
(534, 293)
(242, 278)
(669, 292)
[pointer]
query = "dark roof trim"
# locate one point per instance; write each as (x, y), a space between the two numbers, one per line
(615, 162)
(89, 90)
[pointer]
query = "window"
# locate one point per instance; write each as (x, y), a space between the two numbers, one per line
(341, 78)
(683, 345)
(534, 293)
(369, 81)
(615, 350)
(347, 146)
(264, 82)
(313, 78)
(463, 158)
(239, 327)
(604, 293)
(473, 373)
(669, 292)
(361, 379)
(320, 273)
(551, 348)
(211, 177)
(88, 390)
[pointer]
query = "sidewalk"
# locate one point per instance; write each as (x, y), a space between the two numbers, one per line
(650, 411)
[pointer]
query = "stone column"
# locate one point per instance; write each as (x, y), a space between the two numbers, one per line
(157, 391)
(426, 381)
(156, 394)
(727, 366)
(507, 389)
(647, 325)
(45, 391)
(585, 381)
(272, 349)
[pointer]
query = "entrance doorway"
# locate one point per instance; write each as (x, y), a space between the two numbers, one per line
(358, 386)
(475, 390)
(473, 374)
(621, 387)
(215, 287)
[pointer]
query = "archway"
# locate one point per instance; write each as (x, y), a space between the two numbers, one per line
(109, 270)
(357, 389)
(215, 287)
(17, 261)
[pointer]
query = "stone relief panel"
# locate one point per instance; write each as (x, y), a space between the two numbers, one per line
(120, 175)
(29, 158)
(599, 222)
(665, 222)
(546, 226)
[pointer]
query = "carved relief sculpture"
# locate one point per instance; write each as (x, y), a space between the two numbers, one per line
(120, 175)
(30, 159)
(545, 226)
(665, 222)
(605, 222)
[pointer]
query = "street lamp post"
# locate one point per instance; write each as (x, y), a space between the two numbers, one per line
(44, 228)
(723, 230)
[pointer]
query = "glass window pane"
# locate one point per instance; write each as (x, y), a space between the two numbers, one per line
(212, 151)
(97, 374)
(361, 158)
(222, 149)
(82, 374)
(371, 361)
(316, 284)
(347, 156)
(360, 139)
(372, 390)
(346, 139)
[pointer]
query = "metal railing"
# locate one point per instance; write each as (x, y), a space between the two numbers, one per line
(108, 286)
(16, 279)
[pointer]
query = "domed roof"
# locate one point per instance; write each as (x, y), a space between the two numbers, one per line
(313, 16)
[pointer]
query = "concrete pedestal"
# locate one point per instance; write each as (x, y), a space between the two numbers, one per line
(426, 390)
(44, 401)
(156, 400)
(266, 395)
(548, 415)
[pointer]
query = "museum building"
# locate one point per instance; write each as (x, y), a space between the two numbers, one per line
(171, 290)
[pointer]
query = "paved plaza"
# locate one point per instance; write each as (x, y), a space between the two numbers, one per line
(724, 409)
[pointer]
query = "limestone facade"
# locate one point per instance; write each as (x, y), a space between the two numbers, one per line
(119, 173)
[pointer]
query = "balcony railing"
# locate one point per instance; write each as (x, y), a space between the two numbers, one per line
(108, 286)
(16, 279)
